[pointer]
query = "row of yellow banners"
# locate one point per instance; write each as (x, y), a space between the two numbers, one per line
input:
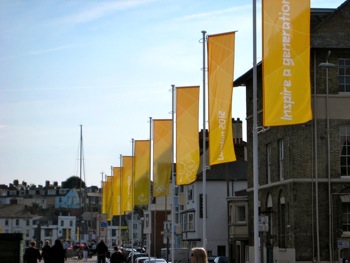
(286, 101)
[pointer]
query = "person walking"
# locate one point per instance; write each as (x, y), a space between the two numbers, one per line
(57, 254)
(85, 252)
(117, 256)
(65, 247)
(199, 255)
(45, 251)
(101, 250)
(32, 254)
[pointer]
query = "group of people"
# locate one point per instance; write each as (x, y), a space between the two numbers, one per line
(102, 252)
(50, 254)
(57, 254)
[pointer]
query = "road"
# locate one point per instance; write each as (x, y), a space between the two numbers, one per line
(75, 260)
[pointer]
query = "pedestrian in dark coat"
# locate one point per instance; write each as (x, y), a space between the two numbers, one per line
(57, 254)
(117, 256)
(101, 250)
(45, 251)
(32, 254)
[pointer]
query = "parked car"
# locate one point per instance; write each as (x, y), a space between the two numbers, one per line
(75, 251)
(211, 259)
(142, 259)
(133, 255)
(221, 259)
(155, 260)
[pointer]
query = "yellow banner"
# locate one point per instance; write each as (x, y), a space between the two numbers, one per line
(220, 88)
(127, 202)
(142, 167)
(104, 195)
(109, 197)
(116, 207)
(286, 62)
(162, 153)
(187, 138)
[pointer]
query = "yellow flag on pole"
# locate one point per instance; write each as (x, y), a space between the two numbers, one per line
(116, 211)
(187, 138)
(220, 89)
(142, 169)
(109, 197)
(286, 62)
(162, 154)
(104, 196)
(127, 202)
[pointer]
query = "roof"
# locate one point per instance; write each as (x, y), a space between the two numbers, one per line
(330, 28)
(14, 211)
(233, 171)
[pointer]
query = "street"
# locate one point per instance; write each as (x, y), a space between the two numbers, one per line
(75, 260)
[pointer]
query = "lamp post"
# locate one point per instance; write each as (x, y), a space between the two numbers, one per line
(327, 65)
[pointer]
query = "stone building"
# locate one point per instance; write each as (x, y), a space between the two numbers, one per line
(304, 170)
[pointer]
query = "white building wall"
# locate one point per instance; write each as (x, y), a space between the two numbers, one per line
(18, 225)
(67, 222)
(216, 221)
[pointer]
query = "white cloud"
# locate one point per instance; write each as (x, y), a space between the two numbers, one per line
(101, 10)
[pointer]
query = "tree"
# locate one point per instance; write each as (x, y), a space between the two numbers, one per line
(73, 182)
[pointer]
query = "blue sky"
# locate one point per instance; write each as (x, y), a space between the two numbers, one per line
(106, 65)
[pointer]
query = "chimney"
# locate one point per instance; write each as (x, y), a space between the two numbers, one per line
(237, 130)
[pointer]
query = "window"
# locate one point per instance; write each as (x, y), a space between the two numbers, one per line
(281, 159)
(345, 151)
(6, 222)
(17, 222)
(346, 217)
(181, 189)
(191, 221)
(189, 193)
(344, 75)
(48, 232)
(184, 222)
(188, 221)
(240, 214)
(62, 223)
(27, 222)
(70, 223)
(268, 163)
(282, 223)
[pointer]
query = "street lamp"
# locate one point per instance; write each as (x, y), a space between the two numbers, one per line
(327, 66)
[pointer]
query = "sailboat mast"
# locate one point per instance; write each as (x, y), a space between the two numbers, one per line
(81, 151)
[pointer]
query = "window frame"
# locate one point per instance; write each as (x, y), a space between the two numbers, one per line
(344, 144)
(268, 162)
(281, 159)
(344, 75)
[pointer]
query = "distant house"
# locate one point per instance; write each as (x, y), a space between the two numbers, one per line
(67, 198)
(17, 219)
(223, 182)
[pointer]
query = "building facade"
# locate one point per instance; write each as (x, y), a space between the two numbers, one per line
(304, 170)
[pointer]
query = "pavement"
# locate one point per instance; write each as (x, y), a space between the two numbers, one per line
(75, 260)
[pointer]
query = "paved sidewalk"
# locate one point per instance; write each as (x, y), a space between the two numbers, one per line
(76, 260)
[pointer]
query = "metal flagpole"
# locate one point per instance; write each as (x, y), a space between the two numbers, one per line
(150, 192)
(204, 152)
(132, 193)
(120, 200)
(255, 145)
(172, 175)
